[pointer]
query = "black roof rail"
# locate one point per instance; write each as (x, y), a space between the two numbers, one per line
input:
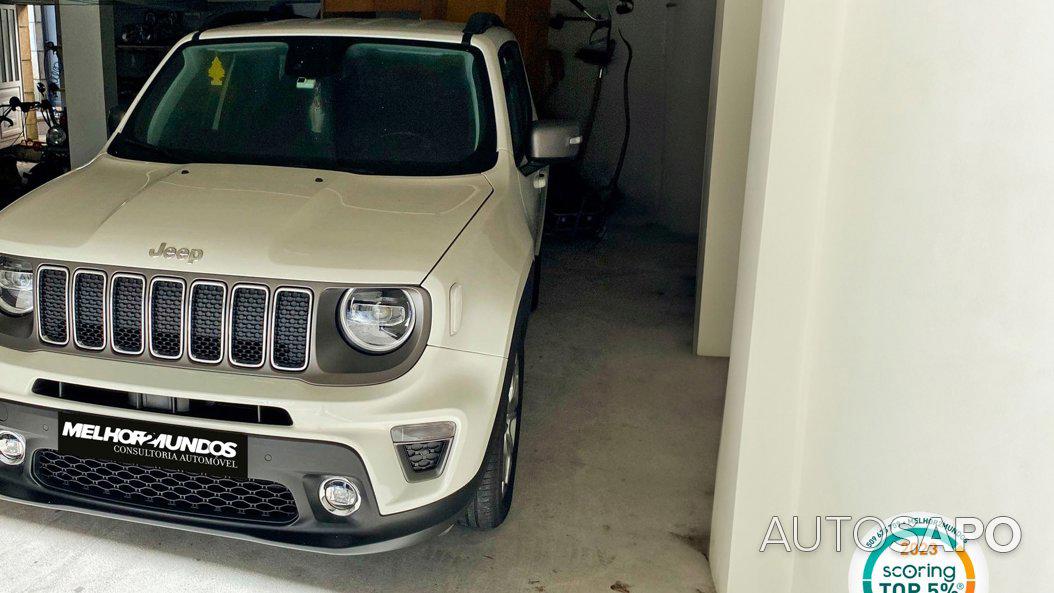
(479, 23)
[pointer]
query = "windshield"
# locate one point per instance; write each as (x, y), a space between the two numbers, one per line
(364, 106)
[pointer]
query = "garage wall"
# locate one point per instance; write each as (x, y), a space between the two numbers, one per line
(892, 331)
(669, 82)
(727, 148)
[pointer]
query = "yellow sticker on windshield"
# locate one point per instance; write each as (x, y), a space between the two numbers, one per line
(216, 72)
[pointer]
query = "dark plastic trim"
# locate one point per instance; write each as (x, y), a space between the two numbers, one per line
(332, 361)
(479, 24)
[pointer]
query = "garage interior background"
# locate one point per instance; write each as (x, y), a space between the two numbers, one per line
(669, 85)
(614, 312)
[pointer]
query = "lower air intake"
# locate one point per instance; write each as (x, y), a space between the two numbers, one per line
(251, 501)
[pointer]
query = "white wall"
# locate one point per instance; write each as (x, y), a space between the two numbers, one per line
(669, 85)
(893, 328)
(727, 149)
(86, 34)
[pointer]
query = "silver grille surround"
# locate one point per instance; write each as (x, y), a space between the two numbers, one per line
(74, 307)
(145, 317)
(231, 337)
(111, 320)
(40, 308)
(182, 316)
(274, 320)
(223, 322)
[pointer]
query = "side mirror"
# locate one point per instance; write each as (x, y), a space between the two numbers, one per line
(554, 141)
(114, 117)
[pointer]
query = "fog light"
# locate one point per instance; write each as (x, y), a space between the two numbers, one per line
(12, 448)
(339, 496)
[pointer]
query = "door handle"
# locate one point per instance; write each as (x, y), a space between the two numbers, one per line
(541, 181)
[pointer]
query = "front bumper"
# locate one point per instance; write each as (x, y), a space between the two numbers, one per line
(299, 465)
(336, 432)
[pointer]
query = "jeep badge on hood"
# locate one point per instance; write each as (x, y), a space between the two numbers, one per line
(190, 255)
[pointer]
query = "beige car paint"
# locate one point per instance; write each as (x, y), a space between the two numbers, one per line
(278, 222)
(256, 221)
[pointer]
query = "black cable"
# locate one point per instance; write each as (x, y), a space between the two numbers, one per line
(587, 130)
(613, 184)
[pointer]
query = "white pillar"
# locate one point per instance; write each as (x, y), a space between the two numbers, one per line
(89, 75)
(731, 108)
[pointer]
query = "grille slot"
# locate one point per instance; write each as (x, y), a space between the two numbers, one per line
(89, 306)
(248, 326)
(126, 313)
(159, 404)
(166, 318)
(208, 303)
(52, 305)
(250, 501)
(292, 329)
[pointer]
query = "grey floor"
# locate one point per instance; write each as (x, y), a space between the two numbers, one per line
(615, 481)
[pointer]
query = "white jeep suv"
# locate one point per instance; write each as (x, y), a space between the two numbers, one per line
(287, 301)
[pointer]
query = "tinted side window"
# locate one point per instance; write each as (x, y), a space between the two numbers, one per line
(518, 97)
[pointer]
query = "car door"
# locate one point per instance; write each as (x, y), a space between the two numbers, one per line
(534, 182)
(10, 70)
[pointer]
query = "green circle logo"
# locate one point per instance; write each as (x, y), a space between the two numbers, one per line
(918, 553)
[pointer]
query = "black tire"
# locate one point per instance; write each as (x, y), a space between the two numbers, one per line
(536, 285)
(493, 499)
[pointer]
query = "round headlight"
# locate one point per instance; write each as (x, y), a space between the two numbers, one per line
(377, 320)
(16, 287)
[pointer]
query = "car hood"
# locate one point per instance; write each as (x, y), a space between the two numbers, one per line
(256, 221)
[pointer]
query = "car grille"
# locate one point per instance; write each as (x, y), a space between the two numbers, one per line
(162, 317)
(126, 313)
(89, 304)
(208, 310)
(172, 491)
(248, 325)
(166, 318)
(51, 303)
(292, 309)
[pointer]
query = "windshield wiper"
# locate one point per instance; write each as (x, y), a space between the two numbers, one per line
(125, 140)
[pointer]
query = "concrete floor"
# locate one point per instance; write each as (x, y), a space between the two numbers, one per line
(616, 471)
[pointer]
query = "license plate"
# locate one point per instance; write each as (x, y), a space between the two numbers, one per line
(181, 448)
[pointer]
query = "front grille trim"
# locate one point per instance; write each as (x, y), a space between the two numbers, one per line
(264, 336)
(142, 314)
(141, 318)
(190, 321)
(182, 316)
(74, 307)
(274, 324)
(40, 308)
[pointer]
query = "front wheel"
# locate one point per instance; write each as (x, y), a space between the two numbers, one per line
(490, 505)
